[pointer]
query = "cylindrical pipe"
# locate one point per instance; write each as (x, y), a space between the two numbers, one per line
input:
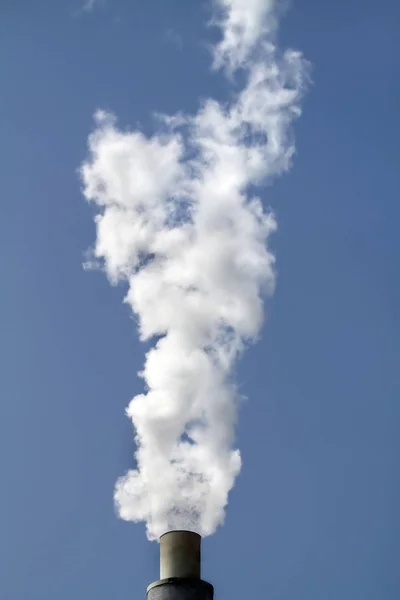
(180, 569)
(180, 554)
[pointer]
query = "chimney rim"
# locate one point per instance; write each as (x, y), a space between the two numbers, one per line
(180, 531)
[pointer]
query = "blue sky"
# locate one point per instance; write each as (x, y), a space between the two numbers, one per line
(314, 510)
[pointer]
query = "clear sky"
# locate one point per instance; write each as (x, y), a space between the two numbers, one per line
(314, 513)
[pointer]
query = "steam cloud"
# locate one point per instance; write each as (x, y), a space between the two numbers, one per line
(177, 221)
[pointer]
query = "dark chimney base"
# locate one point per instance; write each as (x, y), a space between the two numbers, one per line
(180, 588)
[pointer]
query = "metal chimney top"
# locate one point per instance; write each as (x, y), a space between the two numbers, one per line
(180, 554)
(180, 572)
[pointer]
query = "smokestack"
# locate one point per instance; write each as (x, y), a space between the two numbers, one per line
(180, 569)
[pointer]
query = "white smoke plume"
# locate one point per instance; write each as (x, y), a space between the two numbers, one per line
(178, 222)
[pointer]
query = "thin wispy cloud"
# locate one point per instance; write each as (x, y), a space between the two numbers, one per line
(174, 38)
(178, 224)
(90, 5)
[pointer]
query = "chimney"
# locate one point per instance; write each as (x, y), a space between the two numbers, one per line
(180, 569)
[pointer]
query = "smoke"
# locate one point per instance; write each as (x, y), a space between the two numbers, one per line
(178, 221)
